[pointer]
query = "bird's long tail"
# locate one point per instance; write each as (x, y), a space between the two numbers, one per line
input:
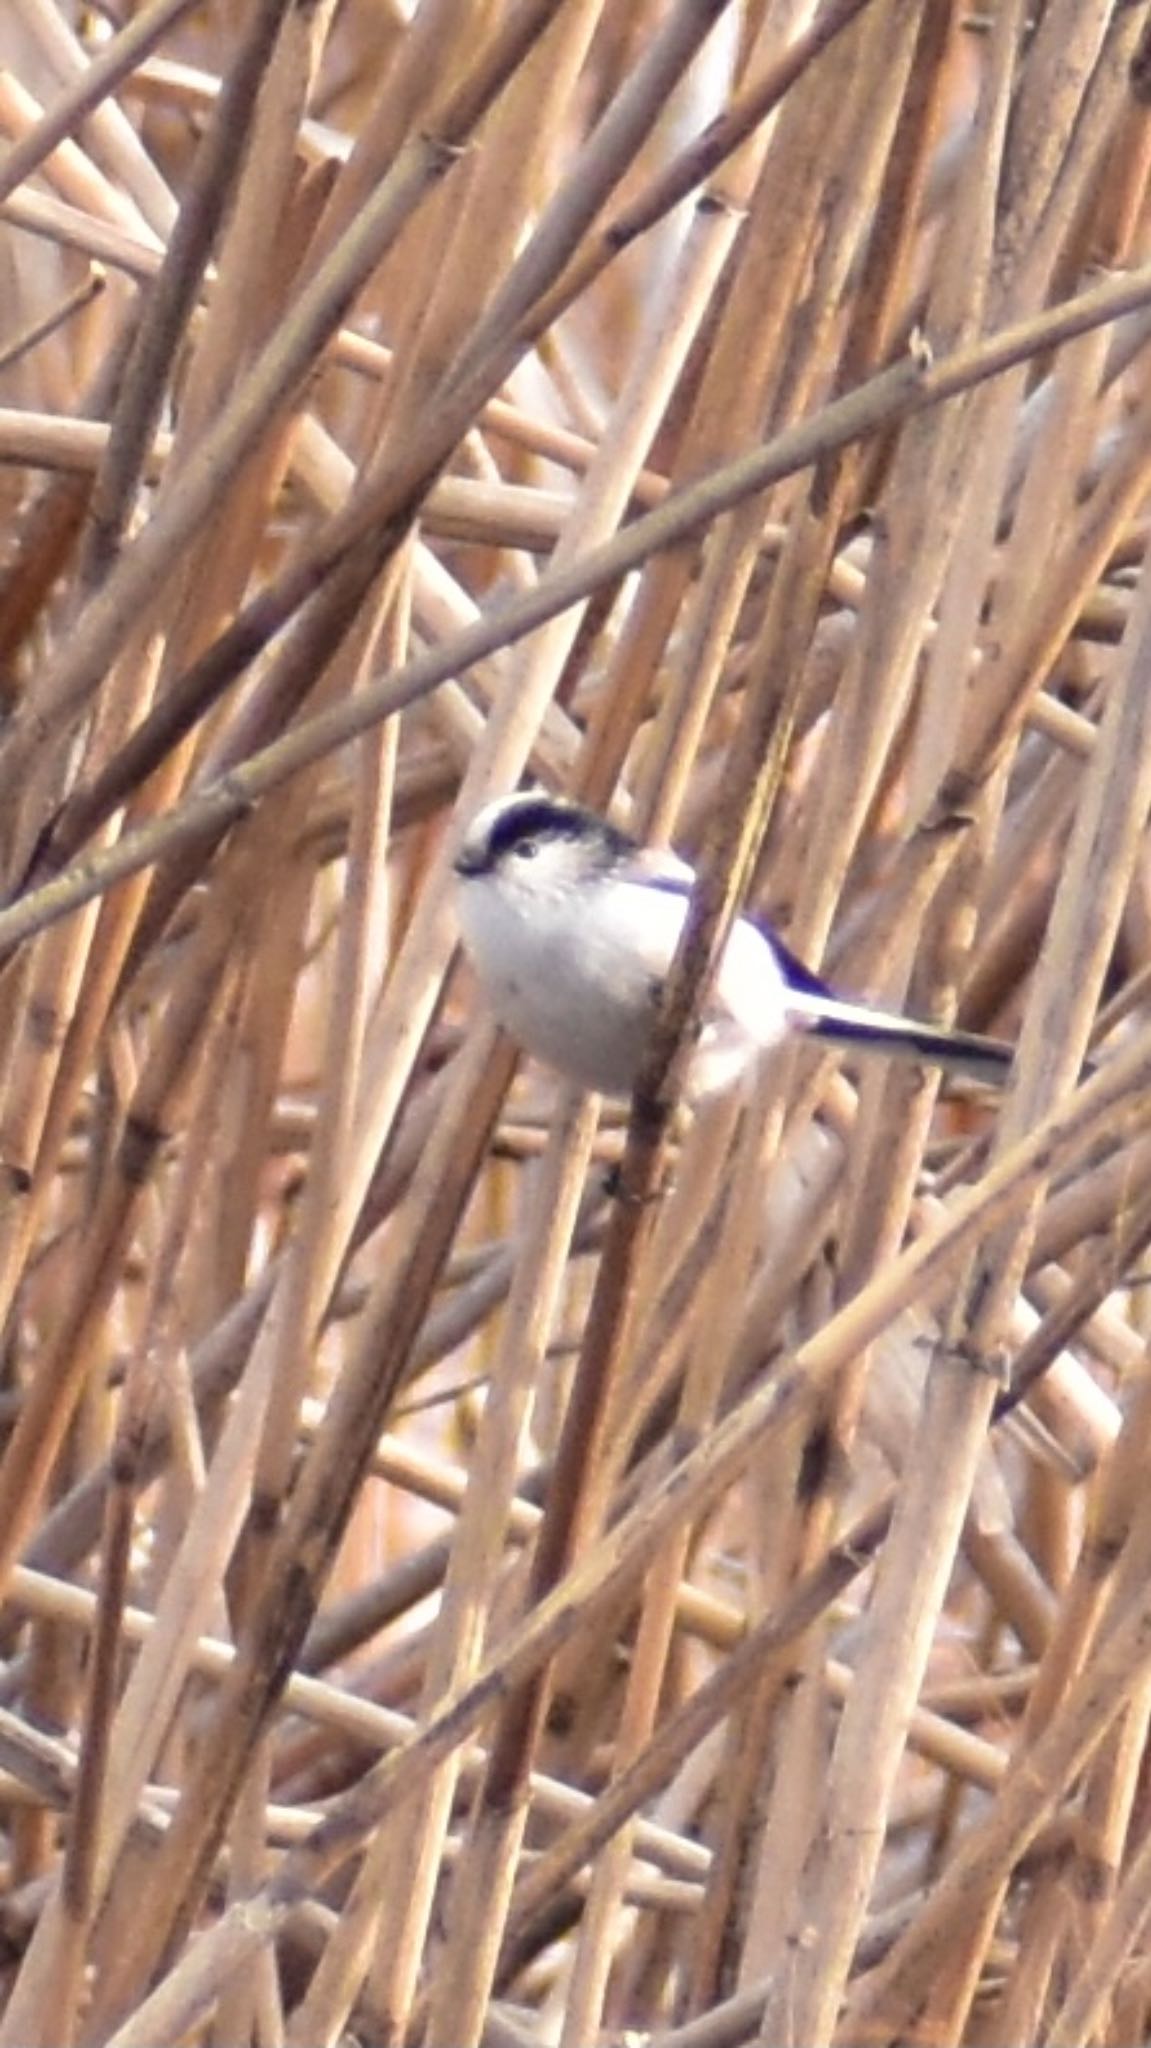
(858, 1028)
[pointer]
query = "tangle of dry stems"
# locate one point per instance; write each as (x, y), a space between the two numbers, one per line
(445, 1602)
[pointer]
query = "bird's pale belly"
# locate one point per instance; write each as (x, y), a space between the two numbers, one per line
(583, 1008)
(580, 990)
(563, 1013)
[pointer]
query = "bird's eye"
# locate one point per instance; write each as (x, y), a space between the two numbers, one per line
(527, 849)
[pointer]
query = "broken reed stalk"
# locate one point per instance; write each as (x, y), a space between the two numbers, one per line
(439, 444)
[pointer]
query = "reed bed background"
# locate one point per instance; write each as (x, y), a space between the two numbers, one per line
(475, 1569)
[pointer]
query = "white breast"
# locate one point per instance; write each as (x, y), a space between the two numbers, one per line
(574, 976)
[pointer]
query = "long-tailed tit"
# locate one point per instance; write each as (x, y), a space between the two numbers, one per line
(571, 928)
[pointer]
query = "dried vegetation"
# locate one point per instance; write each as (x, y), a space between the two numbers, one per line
(444, 1602)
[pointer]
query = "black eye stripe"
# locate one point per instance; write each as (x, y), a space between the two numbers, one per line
(523, 828)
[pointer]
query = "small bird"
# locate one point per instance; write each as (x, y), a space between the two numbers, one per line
(572, 927)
